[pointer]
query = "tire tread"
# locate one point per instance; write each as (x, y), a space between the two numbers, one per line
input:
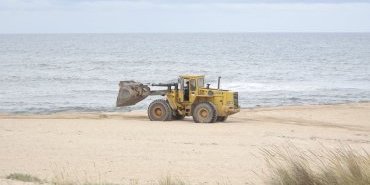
(213, 111)
(166, 106)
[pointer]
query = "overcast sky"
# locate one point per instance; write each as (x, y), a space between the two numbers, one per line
(120, 16)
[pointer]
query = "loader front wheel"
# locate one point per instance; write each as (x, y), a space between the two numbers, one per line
(159, 110)
(205, 112)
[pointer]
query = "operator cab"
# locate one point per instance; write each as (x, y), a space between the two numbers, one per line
(189, 85)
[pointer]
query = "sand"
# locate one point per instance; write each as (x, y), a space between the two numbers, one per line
(126, 147)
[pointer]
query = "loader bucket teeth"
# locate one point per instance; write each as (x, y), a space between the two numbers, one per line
(131, 92)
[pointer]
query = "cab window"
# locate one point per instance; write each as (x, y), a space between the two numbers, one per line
(192, 85)
(200, 82)
(181, 83)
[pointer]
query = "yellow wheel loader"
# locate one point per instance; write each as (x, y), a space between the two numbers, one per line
(188, 97)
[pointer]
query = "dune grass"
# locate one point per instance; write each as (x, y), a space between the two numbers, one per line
(24, 177)
(64, 180)
(170, 180)
(293, 166)
(65, 177)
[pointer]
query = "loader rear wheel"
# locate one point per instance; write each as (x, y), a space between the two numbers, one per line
(221, 118)
(159, 110)
(205, 112)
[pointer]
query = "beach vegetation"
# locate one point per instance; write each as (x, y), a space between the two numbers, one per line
(293, 166)
(24, 177)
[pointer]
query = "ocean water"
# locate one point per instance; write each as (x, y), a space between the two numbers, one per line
(43, 73)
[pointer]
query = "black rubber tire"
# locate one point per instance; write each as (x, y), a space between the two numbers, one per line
(221, 118)
(159, 110)
(205, 112)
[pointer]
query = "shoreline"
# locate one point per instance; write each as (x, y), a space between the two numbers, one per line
(74, 112)
(108, 114)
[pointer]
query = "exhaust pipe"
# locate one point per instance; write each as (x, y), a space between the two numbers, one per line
(218, 83)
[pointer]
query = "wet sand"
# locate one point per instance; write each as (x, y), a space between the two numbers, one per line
(122, 147)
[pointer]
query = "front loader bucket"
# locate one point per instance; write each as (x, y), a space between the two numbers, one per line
(131, 92)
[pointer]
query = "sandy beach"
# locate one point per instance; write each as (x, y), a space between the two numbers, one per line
(127, 147)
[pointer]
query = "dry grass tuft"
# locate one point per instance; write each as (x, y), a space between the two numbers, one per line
(63, 179)
(293, 166)
(68, 176)
(24, 177)
(169, 180)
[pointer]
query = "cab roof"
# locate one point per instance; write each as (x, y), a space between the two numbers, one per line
(191, 76)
